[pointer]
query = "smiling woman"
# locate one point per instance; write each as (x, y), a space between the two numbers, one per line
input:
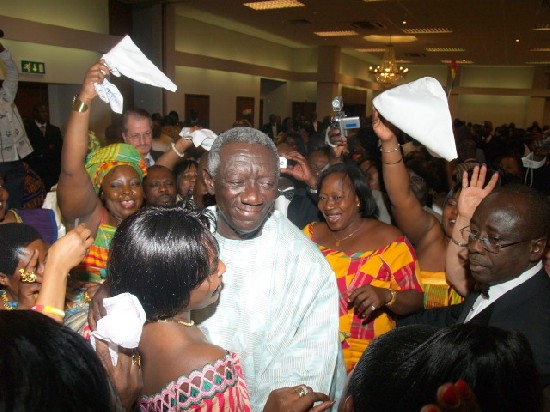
(109, 189)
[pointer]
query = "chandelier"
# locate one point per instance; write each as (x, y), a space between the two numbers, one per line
(388, 72)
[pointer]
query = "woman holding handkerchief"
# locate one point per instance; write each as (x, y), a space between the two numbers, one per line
(99, 189)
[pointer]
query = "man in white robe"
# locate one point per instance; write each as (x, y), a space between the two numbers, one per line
(279, 305)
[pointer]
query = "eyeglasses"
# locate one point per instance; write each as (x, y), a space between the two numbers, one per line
(490, 244)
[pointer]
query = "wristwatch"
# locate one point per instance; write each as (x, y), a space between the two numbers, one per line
(79, 106)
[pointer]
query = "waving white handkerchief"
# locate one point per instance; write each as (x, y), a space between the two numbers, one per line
(122, 325)
(109, 93)
(200, 137)
(421, 110)
(127, 59)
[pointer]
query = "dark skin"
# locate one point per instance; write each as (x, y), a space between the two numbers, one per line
(84, 203)
(338, 203)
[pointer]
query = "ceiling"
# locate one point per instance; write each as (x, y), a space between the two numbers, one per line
(486, 29)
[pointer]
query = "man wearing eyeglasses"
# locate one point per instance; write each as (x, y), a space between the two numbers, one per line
(137, 130)
(506, 240)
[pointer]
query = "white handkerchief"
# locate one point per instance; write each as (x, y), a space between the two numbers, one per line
(421, 110)
(127, 59)
(109, 93)
(200, 137)
(122, 325)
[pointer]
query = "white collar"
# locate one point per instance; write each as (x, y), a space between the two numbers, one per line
(500, 289)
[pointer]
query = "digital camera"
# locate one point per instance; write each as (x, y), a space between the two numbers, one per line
(340, 120)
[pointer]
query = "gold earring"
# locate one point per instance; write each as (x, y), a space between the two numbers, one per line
(359, 204)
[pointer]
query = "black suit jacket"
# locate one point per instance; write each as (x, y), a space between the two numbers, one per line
(525, 309)
(45, 160)
(155, 154)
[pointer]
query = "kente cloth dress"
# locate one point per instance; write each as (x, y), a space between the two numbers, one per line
(216, 387)
(393, 266)
(437, 291)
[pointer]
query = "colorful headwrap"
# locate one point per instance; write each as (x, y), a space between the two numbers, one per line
(102, 161)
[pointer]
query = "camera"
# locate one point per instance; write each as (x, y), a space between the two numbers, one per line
(340, 120)
(285, 163)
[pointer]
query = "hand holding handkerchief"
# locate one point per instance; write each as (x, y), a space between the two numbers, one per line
(420, 109)
(122, 325)
(200, 137)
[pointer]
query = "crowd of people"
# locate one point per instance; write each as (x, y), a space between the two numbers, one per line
(291, 268)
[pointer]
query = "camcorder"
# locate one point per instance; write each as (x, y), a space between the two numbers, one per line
(340, 120)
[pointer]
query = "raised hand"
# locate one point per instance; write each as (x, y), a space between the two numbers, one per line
(473, 192)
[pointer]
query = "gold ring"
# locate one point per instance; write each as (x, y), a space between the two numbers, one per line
(27, 277)
(301, 390)
(136, 360)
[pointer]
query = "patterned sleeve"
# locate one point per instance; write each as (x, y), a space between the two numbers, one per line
(401, 260)
(9, 87)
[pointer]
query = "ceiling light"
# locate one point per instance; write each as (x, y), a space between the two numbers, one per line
(540, 49)
(444, 49)
(437, 30)
(389, 39)
(388, 72)
(336, 33)
(273, 4)
(458, 61)
(542, 27)
(371, 50)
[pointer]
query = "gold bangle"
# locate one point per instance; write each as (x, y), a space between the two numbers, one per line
(78, 105)
(393, 297)
(393, 163)
(392, 150)
(460, 244)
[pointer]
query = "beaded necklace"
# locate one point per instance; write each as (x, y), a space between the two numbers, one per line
(6, 302)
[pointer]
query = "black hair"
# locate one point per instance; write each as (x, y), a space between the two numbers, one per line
(47, 367)
(371, 383)
(160, 255)
(402, 370)
(13, 237)
(497, 364)
(368, 207)
(157, 167)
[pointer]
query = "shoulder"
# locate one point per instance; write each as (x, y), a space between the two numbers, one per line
(199, 355)
(385, 233)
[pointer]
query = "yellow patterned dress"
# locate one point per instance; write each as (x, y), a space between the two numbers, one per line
(394, 266)
(437, 292)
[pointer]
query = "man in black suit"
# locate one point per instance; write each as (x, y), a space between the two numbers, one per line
(297, 198)
(273, 127)
(46, 141)
(506, 240)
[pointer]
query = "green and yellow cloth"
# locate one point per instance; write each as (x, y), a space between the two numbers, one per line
(102, 161)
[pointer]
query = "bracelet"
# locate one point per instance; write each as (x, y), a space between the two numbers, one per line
(460, 244)
(78, 105)
(176, 150)
(392, 150)
(49, 310)
(393, 297)
(393, 163)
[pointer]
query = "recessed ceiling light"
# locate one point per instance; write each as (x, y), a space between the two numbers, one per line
(371, 50)
(457, 61)
(336, 33)
(444, 49)
(517, 40)
(540, 49)
(435, 30)
(390, 39)
(273, 4)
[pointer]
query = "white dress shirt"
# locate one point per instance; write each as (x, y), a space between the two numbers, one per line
(496, 291)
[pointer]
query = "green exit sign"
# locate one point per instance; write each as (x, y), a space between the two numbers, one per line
(33, 67)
